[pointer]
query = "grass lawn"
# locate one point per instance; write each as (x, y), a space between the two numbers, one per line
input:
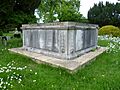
(101, 74)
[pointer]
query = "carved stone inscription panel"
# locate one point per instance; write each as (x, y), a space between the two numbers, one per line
(93, 35)
(79, 40)
(49, 39)
(61, 41)
(35, 38)
(27, 34)
(56, 40)
(41, 39)
(71, 43)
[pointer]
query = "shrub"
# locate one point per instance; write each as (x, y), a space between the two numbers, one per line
(17, 35)
(1, 33)
(14, 42)
(109, 30)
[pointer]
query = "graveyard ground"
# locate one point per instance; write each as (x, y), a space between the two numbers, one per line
(19, 72)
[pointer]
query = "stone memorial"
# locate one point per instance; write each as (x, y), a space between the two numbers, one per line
(64, 40)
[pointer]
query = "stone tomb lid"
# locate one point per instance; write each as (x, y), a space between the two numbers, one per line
(60, 26)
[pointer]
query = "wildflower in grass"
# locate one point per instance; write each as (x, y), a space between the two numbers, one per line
(11, 73)
(19, 80)
(52, 85)
(113, 45)
(103, 75)
(35, 73)
(24, 67)
(34, 80)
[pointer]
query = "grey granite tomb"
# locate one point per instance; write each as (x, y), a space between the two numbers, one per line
(65, 40)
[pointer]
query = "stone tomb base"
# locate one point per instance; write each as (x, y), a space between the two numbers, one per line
(68, 64)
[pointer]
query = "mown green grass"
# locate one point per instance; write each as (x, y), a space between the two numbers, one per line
(101, 74)
(8, 34)
(103, 43)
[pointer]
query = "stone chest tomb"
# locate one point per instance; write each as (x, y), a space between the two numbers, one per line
(65, 40)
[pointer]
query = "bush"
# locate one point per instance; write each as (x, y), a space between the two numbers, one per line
(109, 30)
(17, 35)
(1, 33)
(14, 42)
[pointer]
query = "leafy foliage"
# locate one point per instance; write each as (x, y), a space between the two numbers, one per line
(108, 14)
(62, 10)
(109, 30)
(1, 33)
(15, 12)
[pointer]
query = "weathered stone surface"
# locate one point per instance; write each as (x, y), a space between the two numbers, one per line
(65, 40)
(56, 41)
(71, 41)
(41, 39)
(79, 40)
(68, 64)
(49, 40)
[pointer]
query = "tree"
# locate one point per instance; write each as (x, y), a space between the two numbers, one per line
(105, 14)
(62, 10)
(15, 12)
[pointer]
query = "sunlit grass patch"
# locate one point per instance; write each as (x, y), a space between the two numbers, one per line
(101, 74)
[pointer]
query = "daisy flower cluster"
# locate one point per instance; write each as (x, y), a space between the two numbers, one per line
(11, 73)
(114, 43)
